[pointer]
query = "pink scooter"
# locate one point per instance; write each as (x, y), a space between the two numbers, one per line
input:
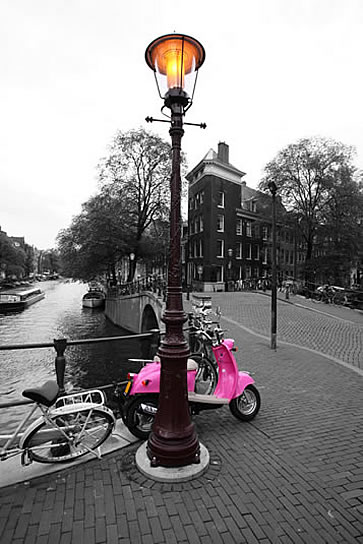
(139, 401)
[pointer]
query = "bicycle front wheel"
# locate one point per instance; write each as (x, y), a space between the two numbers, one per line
(69, 436)
(207, 376)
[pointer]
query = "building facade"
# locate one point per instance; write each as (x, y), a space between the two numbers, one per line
(228, 241)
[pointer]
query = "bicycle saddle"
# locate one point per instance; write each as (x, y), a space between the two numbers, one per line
(46, 394)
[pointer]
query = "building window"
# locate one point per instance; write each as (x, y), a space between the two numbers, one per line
(220, 223)
(201, 197)
(220, 199)
(201, 248)
(239, 251)
(256, 252)
(248, 272)
(239, 227)
(200, 224)
(220, 248)
(265, 253)
(253, 207)
(265, 232)
(248, 228)
(196, 225)
(219, 273)
(248, 251)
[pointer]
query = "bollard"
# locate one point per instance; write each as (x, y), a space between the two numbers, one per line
(60, 361)
(287, 295)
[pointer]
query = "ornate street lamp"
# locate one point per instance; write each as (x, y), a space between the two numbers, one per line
(131, 266)
(273, 189)
(230, 271)
(175, 60)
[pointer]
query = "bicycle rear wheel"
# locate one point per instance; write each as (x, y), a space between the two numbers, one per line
(69, 435)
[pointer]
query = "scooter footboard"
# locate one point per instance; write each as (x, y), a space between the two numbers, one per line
(244, 379)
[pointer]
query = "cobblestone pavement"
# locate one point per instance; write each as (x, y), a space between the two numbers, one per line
(333, 330)
(294, 474)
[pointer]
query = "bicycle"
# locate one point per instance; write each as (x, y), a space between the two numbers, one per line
(201, 335)
(70, 426)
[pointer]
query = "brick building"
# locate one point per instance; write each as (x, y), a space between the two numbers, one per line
(228, 240)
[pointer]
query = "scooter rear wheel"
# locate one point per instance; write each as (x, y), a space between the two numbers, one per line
(138, 421)
(246, 406)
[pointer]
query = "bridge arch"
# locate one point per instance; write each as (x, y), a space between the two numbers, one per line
(149, 319)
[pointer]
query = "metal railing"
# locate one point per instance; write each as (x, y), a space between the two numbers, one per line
(151, 283)
(60, 345)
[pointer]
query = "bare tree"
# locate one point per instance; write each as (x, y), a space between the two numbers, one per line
(138, 170)
(305, 174)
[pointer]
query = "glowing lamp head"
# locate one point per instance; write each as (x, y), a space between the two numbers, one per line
(175, 60)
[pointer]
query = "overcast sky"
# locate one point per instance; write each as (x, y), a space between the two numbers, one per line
(73, 72)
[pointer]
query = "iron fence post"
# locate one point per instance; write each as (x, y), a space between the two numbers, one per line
(60, 361)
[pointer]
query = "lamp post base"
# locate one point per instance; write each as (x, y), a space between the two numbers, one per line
(173, 441)
(174, 452)
(171, 474)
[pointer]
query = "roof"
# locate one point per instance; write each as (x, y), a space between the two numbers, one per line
(211, 157)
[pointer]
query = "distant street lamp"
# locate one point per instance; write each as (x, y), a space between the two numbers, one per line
(273, 190)
(131, 267)
(175, 60)
(229, 275)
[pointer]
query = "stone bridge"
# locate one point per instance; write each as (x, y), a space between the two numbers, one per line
(138, 312)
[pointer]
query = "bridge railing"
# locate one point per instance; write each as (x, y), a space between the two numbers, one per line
(151, 283)
(60, 345)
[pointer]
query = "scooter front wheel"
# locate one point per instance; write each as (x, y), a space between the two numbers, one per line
(247, 405)
(140, 414)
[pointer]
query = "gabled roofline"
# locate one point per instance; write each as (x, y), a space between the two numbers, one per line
(212, 158)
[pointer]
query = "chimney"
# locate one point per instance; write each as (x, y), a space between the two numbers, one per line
(223, 152)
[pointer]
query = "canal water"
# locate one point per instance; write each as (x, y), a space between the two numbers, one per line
(60, 315)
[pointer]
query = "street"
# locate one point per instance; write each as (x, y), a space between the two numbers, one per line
(292, 475)
(332, 330)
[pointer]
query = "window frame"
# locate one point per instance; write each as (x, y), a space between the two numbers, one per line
(220, 242)
(220, 224)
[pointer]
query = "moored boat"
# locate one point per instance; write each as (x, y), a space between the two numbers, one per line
(95, 298)
(19, 299)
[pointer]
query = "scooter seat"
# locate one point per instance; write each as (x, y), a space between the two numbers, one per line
(192, 365)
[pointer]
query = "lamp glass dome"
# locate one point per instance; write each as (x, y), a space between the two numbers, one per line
(175, 59)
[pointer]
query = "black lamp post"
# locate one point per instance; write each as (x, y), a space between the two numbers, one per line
(175, 60)
(273, 190)
(131, 267)
(229, 269)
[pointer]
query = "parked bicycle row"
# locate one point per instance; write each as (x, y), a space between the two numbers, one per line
(332, 294)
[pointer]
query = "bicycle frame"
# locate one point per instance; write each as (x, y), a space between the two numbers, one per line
(5, 451)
